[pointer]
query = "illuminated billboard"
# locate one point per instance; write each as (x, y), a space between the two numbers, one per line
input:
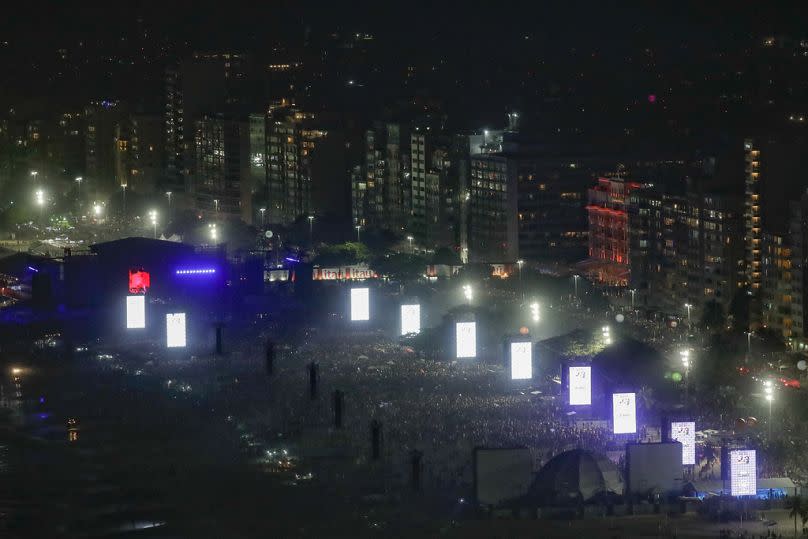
(344, 273)
(139, 281)
(521, 360)
(684, 432)
(580, 380)
(743, 472)
(360, 304)
(175, 330)
(410, 319)
(466, 336)
(135, 312)
(624, 413)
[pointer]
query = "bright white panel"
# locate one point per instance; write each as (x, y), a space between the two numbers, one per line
(410, 319)
(466, 335)
(521, 361)
(684, 432)
(743, 472)
(360, 304)
(624, 410)
(135, 312)
(175, 330)
(580, 380)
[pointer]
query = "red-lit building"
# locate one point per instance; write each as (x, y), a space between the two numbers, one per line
(607, 212)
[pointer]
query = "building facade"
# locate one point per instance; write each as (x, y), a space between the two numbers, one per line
(493, 209)
(307, 173)
(222, 186)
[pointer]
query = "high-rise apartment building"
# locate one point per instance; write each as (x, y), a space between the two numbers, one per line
(550, 197)
(147, 151)
(607, 211)
(222, 184)
(493, 209)
(102, 121)
(753, 231)
(386, 202)
(439, 166)
(306, 168)
(200, 84)
(685, 249)
(777, 293)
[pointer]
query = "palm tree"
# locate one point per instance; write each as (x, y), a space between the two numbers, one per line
(798, 508)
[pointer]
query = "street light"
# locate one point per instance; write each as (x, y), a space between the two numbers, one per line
(262, 211)
(575, 280)
(168, 195)
(468, 292)
(534, 311)
(357, 233)
(123, 186)
(748, 343)
(410, 238)
(520, 263)
(633, 291)
(688, 307)
(607, 338)
(311, 228)
(216, 204)
(97, 209)
(40, 201)
(685, 355)
(153, 217)
(214, 234)
(769, 393)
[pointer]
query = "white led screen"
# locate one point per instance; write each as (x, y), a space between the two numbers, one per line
(135, 312)
(521, 361)
(466, 335)
(743, 472)
(624, 410)
(360, 304)
(580, 380)
(684, 432)
(175, 330)
(410, 319)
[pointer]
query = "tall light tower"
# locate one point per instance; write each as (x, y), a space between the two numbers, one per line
(768, 390)
(40, 201)
(153, 217)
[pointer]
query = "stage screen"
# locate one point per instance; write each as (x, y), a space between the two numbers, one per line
(360, 304)
(410, 319)
(139, 282)
(466, 334)
(624, 413)
(743, 472)
(580, 380)
(135, 312)
(684, 432)
(521, 361)
(175, 330)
